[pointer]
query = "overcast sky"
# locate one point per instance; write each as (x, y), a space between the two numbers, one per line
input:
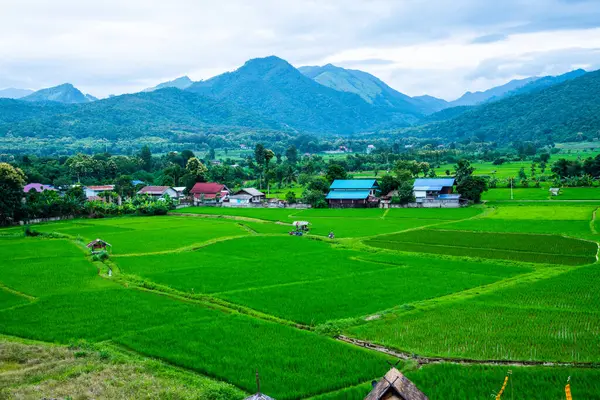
(436, 47)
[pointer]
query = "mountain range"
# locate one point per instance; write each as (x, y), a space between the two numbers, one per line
(269, 93)
(13, 93)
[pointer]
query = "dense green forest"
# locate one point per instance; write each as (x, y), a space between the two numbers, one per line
(569, 111)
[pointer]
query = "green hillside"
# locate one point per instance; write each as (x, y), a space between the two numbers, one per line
(563, 112)
(271, 87)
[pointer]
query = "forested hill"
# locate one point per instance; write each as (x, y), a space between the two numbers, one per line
(275, 89)
(558, 113)
(158, 113)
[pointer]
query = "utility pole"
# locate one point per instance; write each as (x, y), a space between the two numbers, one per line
(511, 188)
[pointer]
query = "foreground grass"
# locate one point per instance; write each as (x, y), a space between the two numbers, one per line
(229, 347)
(33, 370)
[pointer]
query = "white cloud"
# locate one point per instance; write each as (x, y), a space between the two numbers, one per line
(438, 47)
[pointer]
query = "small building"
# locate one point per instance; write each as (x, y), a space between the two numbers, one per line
(92, 193)
(436, 192)
(209, 192)
(38, 187)
(395, 386)
(180, 192)
(370, 149)
(159, 191)
(348, 193)
(97, 245)
(256, 196)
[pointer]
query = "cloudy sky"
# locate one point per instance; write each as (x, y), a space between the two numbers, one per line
(436, 47)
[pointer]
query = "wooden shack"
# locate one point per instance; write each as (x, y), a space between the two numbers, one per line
(395, 386)
(97, 245)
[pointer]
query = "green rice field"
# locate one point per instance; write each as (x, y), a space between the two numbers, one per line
(223, 292)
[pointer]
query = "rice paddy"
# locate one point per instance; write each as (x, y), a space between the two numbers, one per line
(225, 292)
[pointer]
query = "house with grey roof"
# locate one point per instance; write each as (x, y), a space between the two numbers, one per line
(353, 193)
(249, 195)
(436, 192)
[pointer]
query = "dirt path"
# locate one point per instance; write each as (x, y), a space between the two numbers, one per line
(466, 361)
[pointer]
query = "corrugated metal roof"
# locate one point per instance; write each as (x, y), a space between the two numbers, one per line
(355, 184)
(425, 188)
(348, 194)
(449, 196)
(434, 182)
(251, 192)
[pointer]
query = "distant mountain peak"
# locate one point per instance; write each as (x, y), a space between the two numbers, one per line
(14, 93)
(63, 93)
(183, 82)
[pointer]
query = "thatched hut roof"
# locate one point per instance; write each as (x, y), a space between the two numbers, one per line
(259, 396)
(395, 386)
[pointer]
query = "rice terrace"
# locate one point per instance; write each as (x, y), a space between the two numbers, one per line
(209, 296)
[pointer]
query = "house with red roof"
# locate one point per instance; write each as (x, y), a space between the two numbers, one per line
(159, 191)
(209, 192)
(38, 187)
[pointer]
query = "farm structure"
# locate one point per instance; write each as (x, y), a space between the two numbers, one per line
(435, 192)
(97, 245)
(351, 193)
(395, 386)
(210, 192)
(159, 191)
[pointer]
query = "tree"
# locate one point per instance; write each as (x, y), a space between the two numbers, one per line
(292, 154)
(259, 154)
(463, 170)
(146, 157)
(195, 168)
(388, 183)
(12, 181)
(472, 187)
(268, 156)
(124, 186)
(335, 171)
(315, 198)
(290, 197)
(211, 154)
(195, 172)
(318, 184)
(522, 174)
(186, 155)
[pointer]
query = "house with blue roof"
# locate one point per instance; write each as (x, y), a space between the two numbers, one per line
(347, 193)
(435, 192)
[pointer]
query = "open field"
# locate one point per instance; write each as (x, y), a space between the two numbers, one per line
(222, 297)
(550, 249)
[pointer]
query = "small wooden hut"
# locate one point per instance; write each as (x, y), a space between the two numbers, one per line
(395, 386)
(98, 245)
(259, 396)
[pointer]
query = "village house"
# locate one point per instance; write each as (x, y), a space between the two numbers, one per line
(346, 193)
(209, 192)
(180, 192)
(395, 386)
(256, 195)
(370, 149)
(159, 191)
(435, 192)
(92, 193)
(38, 187)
